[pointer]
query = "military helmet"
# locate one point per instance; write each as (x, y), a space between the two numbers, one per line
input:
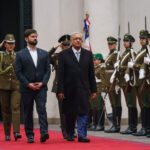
(143, 34)
(111, 40)
(128, 37)
(9, 38)
(148, 35)
(65, 39)
(94, 56)
(99, 56)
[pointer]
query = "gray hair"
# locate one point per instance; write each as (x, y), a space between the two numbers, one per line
(74, 33)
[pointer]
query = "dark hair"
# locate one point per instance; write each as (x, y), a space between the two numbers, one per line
(29, 31)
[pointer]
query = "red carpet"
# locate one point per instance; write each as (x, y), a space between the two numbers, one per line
(56, 142)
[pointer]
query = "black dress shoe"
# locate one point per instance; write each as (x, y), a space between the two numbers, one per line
(70, 138)
(7, 138)
(83, 139)
(142, 132)
(30, 140)
(44, 137)
(99, 128)
(113, 129)
(17, 136)
(129, 130)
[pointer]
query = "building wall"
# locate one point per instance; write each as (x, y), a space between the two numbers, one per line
(52, 18)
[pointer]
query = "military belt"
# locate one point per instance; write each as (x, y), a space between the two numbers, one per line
(109, 71)
(98, 80)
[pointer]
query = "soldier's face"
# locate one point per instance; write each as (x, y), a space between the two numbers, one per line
(10, 46)
(112, 46)
(126, 44)
(76, 41)
(32, 39)
(97, 62)
(143, 41)
(64, 47)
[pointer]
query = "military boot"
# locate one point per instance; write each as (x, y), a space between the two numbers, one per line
(114, 128)
(101, 119)
(132, 121)
(119, 114)
(148, 122)
(93, 126)
(142, 131)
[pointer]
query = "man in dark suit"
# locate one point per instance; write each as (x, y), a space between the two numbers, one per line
(33, 70)
(76, 80)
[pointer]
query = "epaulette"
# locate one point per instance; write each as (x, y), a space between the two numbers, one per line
(102, 65)
(115, 52)
(1, 52)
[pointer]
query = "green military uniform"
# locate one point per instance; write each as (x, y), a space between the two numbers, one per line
(145, 93)
(130, 95)
(98, 103)
(115, 97)
(144, 96)
(10, 96)
(65, 39)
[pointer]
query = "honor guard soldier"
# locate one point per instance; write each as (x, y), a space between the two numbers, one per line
(97, 104)
(145, 88)
(9, 86)
(64, 43)
(143, 96)
(128, 87)
(114, 94)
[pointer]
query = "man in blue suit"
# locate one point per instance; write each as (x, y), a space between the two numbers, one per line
(33, 70)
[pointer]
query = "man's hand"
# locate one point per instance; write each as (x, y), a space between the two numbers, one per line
(38, 84)
(58, 45)
(33, 86)
(94, 95)
(61, 96)
(1, 44)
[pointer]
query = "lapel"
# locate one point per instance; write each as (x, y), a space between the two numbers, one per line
(39, 54)
(28, 55)
(71, 53)
(82, 56)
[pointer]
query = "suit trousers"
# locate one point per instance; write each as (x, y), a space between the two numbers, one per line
(82, 121)
(40, 98)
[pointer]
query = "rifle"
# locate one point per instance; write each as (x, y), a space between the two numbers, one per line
(114, 75)
(145, 82)
(129, 84)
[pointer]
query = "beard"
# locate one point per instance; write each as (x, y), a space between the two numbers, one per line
(33, 43)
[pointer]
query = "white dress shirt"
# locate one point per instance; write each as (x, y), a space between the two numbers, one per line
(77, 53)
(34, 55)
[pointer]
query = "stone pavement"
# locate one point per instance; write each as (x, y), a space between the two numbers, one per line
(113, 135)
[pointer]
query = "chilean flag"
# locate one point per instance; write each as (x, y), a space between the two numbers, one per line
(87, 32)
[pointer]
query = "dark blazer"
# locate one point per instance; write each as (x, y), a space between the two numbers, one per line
(73, 75)
(26, 70)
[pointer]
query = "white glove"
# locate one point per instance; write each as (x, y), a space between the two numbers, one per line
(112, 79)
(103, 94)
(116, 65)
(130, 64)
(147, 60)
(141, 74)
(127, 77)
(117, 88)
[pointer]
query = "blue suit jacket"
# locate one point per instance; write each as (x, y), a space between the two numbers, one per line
(28, 73)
